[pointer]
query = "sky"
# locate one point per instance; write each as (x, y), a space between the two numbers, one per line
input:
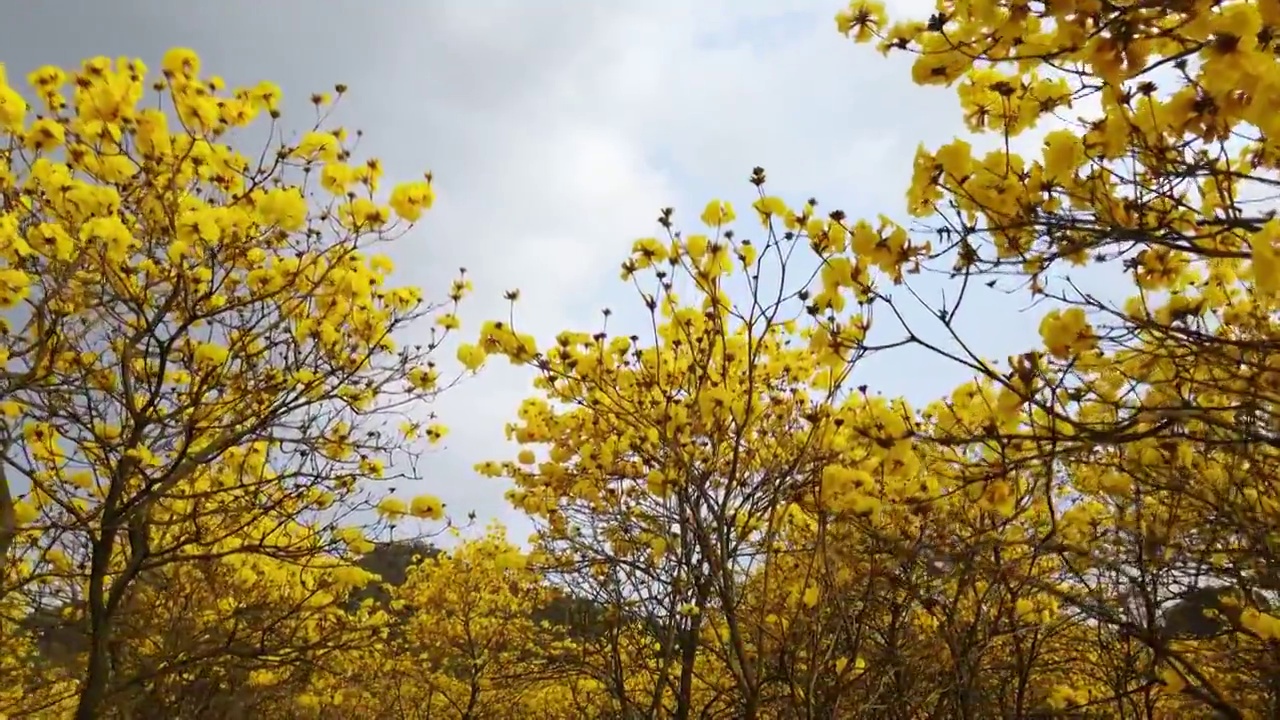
(555, 131)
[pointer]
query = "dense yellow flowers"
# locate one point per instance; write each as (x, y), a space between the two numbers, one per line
(729, 522)
(193, 363)
(733, 438)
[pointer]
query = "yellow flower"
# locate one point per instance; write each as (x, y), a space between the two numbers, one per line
(25, 513)
(435, 432)
(181, 63)
(863, 19)
(336, 177)
(265, 95)
(211, 354)
(471, 356)
(284, 208)
(717, 213)
(392, 507)
(317, 145)
(47, 78)
(362, 214)
(372, 467)
(410, 200)
(427, 507)
(12, 107)
(45, 135)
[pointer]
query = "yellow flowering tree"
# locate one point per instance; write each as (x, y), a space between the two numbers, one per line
(1143, 429)
(244, 635)
(664, 471)
(462, 641)
(199, 358)
(470, 627)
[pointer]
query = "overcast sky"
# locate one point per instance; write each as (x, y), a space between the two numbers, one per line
(556, 129)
